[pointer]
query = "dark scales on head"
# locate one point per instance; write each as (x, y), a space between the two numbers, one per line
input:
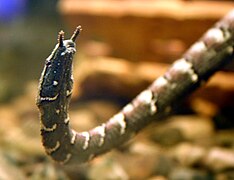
(57, 68)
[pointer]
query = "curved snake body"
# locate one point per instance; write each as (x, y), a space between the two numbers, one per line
(67, 146)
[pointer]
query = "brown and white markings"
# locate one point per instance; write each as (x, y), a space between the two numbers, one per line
(67, 146)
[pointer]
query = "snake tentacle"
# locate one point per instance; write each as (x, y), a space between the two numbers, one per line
(67, 146)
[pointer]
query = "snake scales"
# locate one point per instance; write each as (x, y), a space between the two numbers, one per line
(67, 146)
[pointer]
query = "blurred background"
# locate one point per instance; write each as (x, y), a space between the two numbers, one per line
(124, 46)
(28, 32)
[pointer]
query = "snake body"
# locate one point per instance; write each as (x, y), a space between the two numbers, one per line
(66, 146)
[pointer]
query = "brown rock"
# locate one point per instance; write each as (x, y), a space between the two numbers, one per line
(107, 169)
(188, 154)
(219, 159)
(183, 173)
(179, 128)
(9, 171)
(141, 160)
(131, 31)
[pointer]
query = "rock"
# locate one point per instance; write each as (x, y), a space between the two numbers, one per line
(77, 171)
(21, 128)
(106, 77)
(82, 120)
(9, 171)
(141, 159)
(225, 175)
(157, 178)
(168, 136)
(164, 165)
(183, 173)
(107, 169)
(188, 154)
(102, 109)
(194, 128)
(137, 24)
(96, 49)
(224, 138)
(92, 113)
(45, 171)
(144, 147)
(219, 159)
(180, 128)
(217, 94)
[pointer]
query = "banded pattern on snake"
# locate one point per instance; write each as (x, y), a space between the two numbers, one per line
(67, 146)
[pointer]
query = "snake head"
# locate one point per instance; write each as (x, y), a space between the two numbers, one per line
(57, 74)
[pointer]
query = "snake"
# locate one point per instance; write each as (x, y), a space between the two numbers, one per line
(68, 147)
